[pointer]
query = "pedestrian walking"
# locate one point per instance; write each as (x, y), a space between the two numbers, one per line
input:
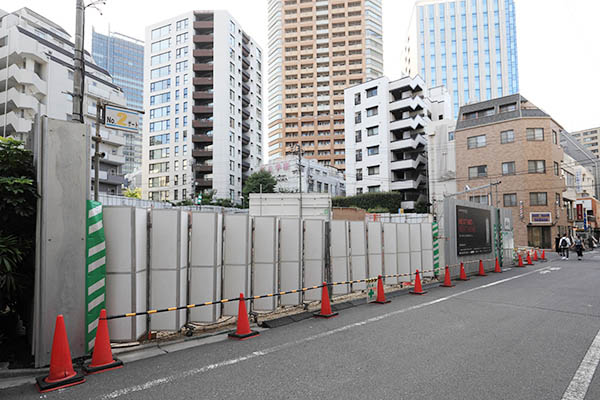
(565, 243)
(557, 244)
(578, 248)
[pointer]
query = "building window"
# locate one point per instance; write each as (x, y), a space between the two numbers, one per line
(373, 170)
(372, 111)
(479, 171)
(510, 200)
(535, 134)
(556, 169)
(507, 136)
(374, 189)
(372, 92)
(359, 175)
(358, 136)
(357, 99)
(160, 32)
(475, 142)
(373, 150)
(483, 199)
(373, 131)
(554, 137)
(508, 168)
(359, 155)
(359, 190)
(357, 117)
(508, 107)
(538, 199)
(536, 166)
(451, 136)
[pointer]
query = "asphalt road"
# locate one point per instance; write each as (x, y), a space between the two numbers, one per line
(518, 335)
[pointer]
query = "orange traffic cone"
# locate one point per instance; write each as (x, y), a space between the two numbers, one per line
(481, 269)
(61, 373)
(380, 293)
(497, 269)
(529, 259)
(325, 306)
(463, 275)
(102, 358)
(447, 281)
(520, 261)
(243, 325)
(543, 255)
(535, 256)
(418, 289)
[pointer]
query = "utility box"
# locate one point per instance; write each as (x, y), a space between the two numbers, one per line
(314, 205)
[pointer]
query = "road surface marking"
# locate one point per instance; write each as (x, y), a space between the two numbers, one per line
(554, 268)
(583, 377)
(185, 374)
(545, 272)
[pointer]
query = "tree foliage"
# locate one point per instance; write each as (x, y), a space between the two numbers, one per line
(388, 201)
(254, 182)
(135, 193)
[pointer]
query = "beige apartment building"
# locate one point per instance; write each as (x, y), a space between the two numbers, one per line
(590, 139)
(317, 48)
(511, 141)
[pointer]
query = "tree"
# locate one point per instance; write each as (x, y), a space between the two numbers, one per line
(254, 182)
(133, 193)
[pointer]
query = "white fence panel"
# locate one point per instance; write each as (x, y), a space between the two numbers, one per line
(125, 229)
(404, 259)
(427, 249)
(358, 254)
(290, 272)
(168, 268)
(264, 262)
(205, 265)
(236, 260)
(314, 257)
(390, 252)
(375, 248)
(339, 251)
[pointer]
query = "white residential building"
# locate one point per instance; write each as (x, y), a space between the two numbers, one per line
(40, 79)
(468, 46)
(386, 143)
(203, 107)
(316, 177)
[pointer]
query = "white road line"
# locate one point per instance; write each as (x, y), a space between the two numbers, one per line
(185, 374)
(583, 377)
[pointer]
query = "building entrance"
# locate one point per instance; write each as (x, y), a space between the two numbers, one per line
(539, 236)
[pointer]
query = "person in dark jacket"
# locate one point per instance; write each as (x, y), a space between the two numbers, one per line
(557, 244)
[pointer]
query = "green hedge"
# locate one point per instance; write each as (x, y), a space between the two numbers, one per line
(390, 201)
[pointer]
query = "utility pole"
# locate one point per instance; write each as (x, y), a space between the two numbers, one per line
(97, 155)
(300, 176)
(78, 73)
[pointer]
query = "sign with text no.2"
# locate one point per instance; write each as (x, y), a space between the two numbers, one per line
(122, 119)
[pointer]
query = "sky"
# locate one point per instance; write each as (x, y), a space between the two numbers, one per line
(559, 57)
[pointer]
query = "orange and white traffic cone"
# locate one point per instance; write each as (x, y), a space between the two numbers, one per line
(481, 269)
(544, 255)
(325, 305)
(520, 262)
(497, 268)
(380, 293)
(61, 373)
(243, 324)
(447, 280)
(463, 274)
(535, 256)
(529, 259)
(102, 358)
(418, 289)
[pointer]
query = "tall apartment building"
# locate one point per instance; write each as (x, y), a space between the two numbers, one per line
(123, 57)
(469, 46)
(590, 138)
(386, 144)
(512, 141)
(203, 107)
(317, 48)
(40, 79)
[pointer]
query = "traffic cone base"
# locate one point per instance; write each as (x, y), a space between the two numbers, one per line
(116, 364)
(243, 324)
(326, 311)
(463, 275)
(380, 293)
(44, 386)
(447, 281)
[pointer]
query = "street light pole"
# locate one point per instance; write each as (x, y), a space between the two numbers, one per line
(78, 72)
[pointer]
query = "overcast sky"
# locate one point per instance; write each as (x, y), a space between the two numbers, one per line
(559, 54)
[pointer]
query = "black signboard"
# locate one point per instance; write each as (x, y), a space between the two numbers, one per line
(473, 230)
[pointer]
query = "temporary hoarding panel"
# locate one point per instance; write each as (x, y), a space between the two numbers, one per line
(375, 248)
(290, 248)
(390, 252)
(426, 249)
(403, 243)
(236, 260)
(168, 268)
(358, 254)
(264, 262)
(339, 251)
(314, 256)
(126, 274)
(415, 247)
(205, 265)
(473, 230)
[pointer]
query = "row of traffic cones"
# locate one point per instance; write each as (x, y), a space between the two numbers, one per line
(61, 372)
(529, 258)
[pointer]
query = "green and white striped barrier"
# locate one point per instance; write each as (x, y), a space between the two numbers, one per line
(435, 230)
(95, 281)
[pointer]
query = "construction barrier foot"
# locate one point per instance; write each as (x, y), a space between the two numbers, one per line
(43, 386)
(237, 336)
(382, 302)
(116, 364)
(319, 315)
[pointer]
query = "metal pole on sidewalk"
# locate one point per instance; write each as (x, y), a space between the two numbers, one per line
(97, 140)
(78, 62)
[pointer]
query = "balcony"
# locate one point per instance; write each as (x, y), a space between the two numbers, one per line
(113, 159)
(202, 110)
(408, 164)
(245, 88)
(202, 94)
(245, 63)
(410, 124)
(245, 38)
(207, 168)
(18, 124)
(203, 24)
(245, 138)
(204, 183)
(203, 53)
(201, 138)
(408, 104)
(203, 67)
(409, 143)
(197, 153)
(112, 138)
(245, 75)
(202, 123)
(245, 165)
(245, 126)
(245, 113)
(203, 81)
(245, 50)
(203, 38)
(245, 152)
(407, 184)
(245, 101)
